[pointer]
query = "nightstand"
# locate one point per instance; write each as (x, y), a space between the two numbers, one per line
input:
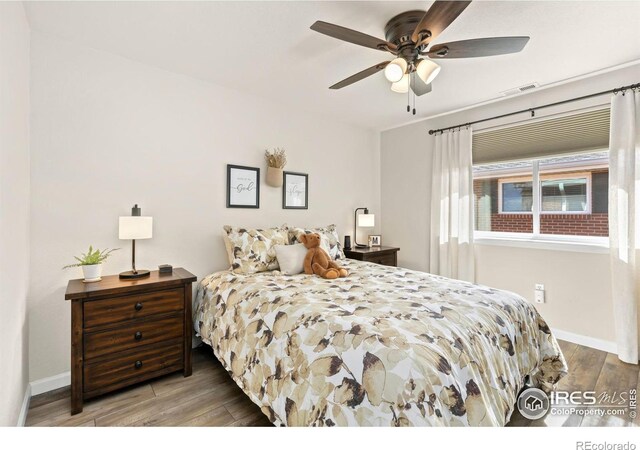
(127, 331)
(387, 256)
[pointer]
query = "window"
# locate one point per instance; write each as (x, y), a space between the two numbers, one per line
(516, 195)
(565, 195)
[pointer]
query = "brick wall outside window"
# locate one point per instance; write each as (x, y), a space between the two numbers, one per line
(512, 223)
(596, 224)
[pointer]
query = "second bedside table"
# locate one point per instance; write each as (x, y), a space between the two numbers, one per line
(387, 256)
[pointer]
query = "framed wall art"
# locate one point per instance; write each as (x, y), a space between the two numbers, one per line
(295, 191)
(243, 187)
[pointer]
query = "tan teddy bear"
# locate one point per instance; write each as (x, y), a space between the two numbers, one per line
(317, 261)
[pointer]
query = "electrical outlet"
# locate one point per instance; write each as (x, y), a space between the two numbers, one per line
(539, 293)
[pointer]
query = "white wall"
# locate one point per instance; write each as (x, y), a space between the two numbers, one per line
(108, 132)
(577, 284)
(14, 208)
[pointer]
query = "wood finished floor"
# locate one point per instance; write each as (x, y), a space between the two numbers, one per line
(210, 398)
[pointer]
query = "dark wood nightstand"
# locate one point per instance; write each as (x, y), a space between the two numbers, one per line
(127, 331)
(387, 256)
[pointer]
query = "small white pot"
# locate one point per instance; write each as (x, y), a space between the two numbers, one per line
(92, 273)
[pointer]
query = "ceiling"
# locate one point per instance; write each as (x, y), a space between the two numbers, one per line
(266, 49)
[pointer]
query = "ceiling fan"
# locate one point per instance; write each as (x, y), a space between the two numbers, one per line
(408, 37)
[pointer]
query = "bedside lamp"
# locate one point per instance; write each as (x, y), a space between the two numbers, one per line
(365, 220)
(135, 227)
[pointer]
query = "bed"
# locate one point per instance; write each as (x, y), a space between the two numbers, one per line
(385, 346)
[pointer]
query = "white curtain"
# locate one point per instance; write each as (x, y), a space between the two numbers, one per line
(624, 224)
(452, 207)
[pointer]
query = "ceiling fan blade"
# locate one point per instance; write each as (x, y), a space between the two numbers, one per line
(360, 75)
(355, 37)
(418, 86)
(439, 17)
(472, 48)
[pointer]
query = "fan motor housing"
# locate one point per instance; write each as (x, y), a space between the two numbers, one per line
(401, 27)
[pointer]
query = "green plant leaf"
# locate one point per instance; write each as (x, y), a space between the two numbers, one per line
(96, 256)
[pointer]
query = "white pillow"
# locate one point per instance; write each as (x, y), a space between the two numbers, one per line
(291, 258)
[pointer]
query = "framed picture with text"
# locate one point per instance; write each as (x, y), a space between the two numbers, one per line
(295, 191)
(243, 187)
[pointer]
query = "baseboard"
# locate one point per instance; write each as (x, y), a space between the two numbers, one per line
(587, 341)
(22, 418)
(50, 383)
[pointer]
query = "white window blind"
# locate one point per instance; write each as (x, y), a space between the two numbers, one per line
(569, 134)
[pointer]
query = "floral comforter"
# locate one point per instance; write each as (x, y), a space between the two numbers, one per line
(384, 346)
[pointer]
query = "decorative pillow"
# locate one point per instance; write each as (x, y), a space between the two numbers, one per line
(252, 250)
(228, 246)
(291, 258)
(329, 240)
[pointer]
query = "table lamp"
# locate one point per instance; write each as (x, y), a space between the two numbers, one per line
(135, 227)
(365, 220)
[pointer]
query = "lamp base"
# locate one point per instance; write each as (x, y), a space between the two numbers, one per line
(130, 274)
(361, 246)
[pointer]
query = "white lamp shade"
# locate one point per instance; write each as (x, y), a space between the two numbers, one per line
(366, 220)
(135, 227)
(401, 86)
(427, 70)
(395, 70)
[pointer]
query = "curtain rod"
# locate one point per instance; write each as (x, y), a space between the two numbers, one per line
(532, 110)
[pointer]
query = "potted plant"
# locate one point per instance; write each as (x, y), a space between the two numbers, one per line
(91, 263)
(276, 160)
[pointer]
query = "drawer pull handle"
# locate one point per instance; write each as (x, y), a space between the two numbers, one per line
(138, 306)
(138, 364)
(137, 336)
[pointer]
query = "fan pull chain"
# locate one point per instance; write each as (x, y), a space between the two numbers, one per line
(411, 94)
(414, 95)
(408, 94)
(414, 102)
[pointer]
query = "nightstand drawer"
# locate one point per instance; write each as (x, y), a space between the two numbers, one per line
(133, 366)
(131, 335)
(386, 260)
(103, 312)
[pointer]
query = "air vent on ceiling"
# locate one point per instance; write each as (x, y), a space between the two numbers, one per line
(520, 89)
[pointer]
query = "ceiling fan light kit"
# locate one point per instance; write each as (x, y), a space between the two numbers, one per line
(409, 36)
(427, 70)
(395, 70)
(402, 86)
